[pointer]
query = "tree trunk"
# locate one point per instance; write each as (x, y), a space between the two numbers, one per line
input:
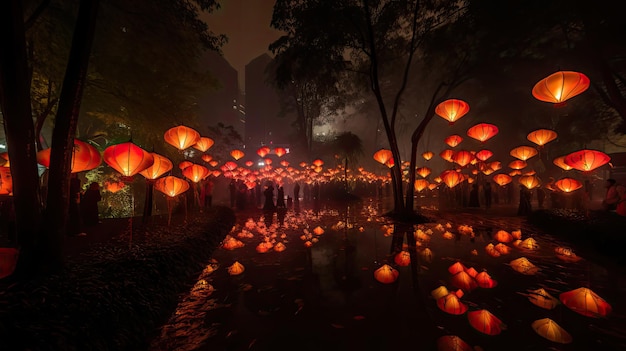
(65, 127)
(19, 131)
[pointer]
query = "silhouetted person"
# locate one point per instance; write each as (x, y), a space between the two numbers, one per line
(296, 192)
(473, 196)
(89, 205)
(487, 192)
(541, 196)
(525, 208)
(269, 197)
(280, 197)
(206, 193)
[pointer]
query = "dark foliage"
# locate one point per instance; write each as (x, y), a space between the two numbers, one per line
(113, 297)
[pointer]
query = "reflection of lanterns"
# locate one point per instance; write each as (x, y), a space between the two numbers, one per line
(451, 178)
(383, 156)
(263, 151)
(560, 86)
(280, 151)
(524, 266)
(423, 171)
(482, 132)
(420, 184)
(502, 179)
(541, 136)
(523, 152)
(160, 166)
(484, 155)
(452, 343)
(386, 274)
(463, 158)
(428, 155)
(402, 258)
(529, 181)
(542, 298)
(485, 281)
(237, 154)
(181, 137)
(485, 322)
(453, 140)
(548, 328)
(447, 155)
(451, 110)
(451, 304)
(587, 160)
(585, 302)
(236, 269)
(127, 158)
(196, 173)
(171, 186)
(560, 162)
(203, 144)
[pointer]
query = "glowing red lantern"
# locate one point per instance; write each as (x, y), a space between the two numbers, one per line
(541, 136)
(485, 281)
(171, 186)
(84, 157)
(402, 258)
(249, 163)
(423, 171)
(518, 164)
(160, 166)
(464, 281)
(447, 155)
(184, 164)
(482, 132)
(280, 151)
(567, 185)
(428, 155)
(560, 162)
(213, 163)
(451, 110)
(587, 160)
(203, 144)
(453, 140)
(386, 274)
(529, 182)
(502, 179)
(463, 158)
(586, 302)
(237, 154)
(206, 158)
(230, 166)
(263, 151)
(523, 152)
(483, 155)
(420, 184)
(181, 137)
(485, 322)
(451, 178)
(451, 304)
(196, 173)
(284, 163)
(560, 86)
(128, 158)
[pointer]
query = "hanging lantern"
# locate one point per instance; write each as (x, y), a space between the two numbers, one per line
(484, 280)
(587, 160)
(567, 185)
(249, 163)
(127, 158)
(181, 137)
(185, 164)
(524, 266)
(160, 166)
(482, 132)
(463, 158)
(171, 186)
(548, 329)
(541, 136)
(447, 155)
(530, 182)
(267, 161)
(452, 343)
(420, 184)
(451, 178)
(280, 151)
(237, 154)
(203, 144)
(560, 86)
(518, 164)
(542, 298)
(485, 322)
(230, 166)
(236, 268)
(451, 304)
(206, 158)
(423, 171)
(502, 179)
(85, 157)
(560, 162)
(213, 163)
(196, 173)
(386, 274)
(585, 302)
(284, 163)
(523, 152)
(402, 258)
(495, 165)
(451, 110)
(263, 151)
(483, 155)
(453, 140)
(428, 155)
(383, 156)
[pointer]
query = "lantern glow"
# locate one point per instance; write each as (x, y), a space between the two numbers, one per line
(451, 110)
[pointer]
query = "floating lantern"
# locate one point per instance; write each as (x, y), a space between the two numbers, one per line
(502, 249)
(230, 166)
(423, 171)
(263, 151)
(231, 243)
(196, 173)
(472, 272)
(402, 258)
(541, 136)
(464, 281)
(484, 155)
(463, 158)
(585, 302)
(567, 185)
(502, 179)
(318, 230)
(517, 164)
(503, 236)
(428, 155)
(203, 144)
(451, 304)
(386, 274)
(184, 164)
(542, 298)
(484, 280)
(236, 269)
(529, 181)
(237, 154)
(523, 152)
(524, 266)
(264, 247)
(171, 186)
(451, 110)
(586, 160)
(451, 178)
(160, 166)
(318, 162)
(420, 184)
(548, 328)
(485, 322)
(560, 86)
(452, 343)
(456, 268)
(560, 162)
(181, 137)
(453, 140)
(447, 155)
(383, 156)
(529, 244)
(127, 158)
(482, 132)
(280, 151)
(439, 292)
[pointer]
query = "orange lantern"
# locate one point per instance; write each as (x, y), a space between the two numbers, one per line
(451, 110)
(550, 330)
(84, 157)
(114, 187)
(560, 86)
(587, 160)
(160, 166)
(185, 164)
(423, 171)
(420, 184)
(318, 163)
(456, 268)
(485, 322)
(203, 144)
(518, 164)
(181, 137)
(524, 266)
(383, 156)
(567, 185)
(452, 343)
(482, 132)
(283, 163)
(402, 258)
(542, 298)
(428, 155)
(249, 163)
(453, 140)
(237, 154)
(267, 161)
(230, 166)
(213, 163)
(530, 182)
(502, 179)
(236, 268)
(263, 151)
(495, 165)
(447, 155)
(560, 162)
(171, 186)
(485, 281)
(523, 152)
(128, 158)
(451, 178)
(206, 158)
(451, 304)
(196, 173)
(484, 155)
(463, 158)
(503, 236)
(280, 151)
(464, 281)
(541, 136)
(586, 302)
(386, 274)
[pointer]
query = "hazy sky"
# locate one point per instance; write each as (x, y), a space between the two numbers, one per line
(247, 25)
